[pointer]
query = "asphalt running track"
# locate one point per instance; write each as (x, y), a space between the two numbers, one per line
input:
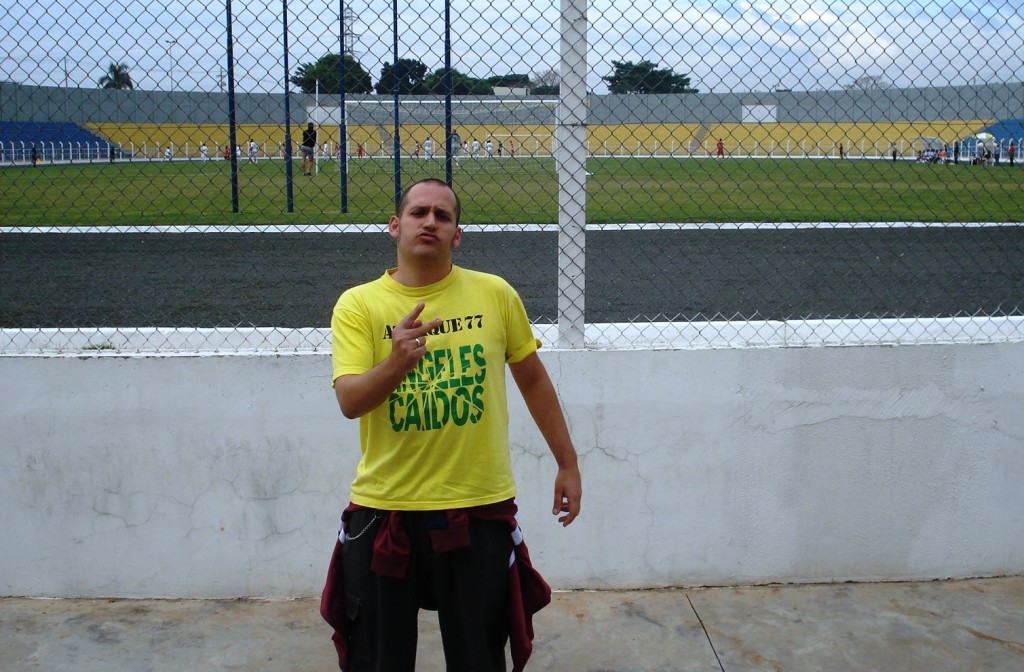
(293, 279)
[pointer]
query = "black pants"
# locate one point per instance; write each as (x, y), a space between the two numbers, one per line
(468, 587)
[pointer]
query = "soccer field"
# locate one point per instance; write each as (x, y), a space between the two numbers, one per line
(516, 190)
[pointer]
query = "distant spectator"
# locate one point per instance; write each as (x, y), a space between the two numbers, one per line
(456, 146)
(1011, 151)
(308, 148)
(35, 156)
(720, 149)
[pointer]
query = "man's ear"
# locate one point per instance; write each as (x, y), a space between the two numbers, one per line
(393, 227)
(458, 237)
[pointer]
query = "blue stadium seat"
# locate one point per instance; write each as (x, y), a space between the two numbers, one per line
(1006, 130)
(54, 140)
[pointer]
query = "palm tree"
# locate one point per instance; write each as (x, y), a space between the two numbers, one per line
(117, 77)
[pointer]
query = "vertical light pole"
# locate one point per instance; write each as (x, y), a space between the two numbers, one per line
(289, 186)
(232, 138)
(170, 60)
(67, 114)
(394, 79)
(449, 176)
(342, 123)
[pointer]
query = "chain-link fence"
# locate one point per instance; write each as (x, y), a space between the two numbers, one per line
(711, 174)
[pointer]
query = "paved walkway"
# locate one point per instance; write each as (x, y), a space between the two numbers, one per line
(904, 627)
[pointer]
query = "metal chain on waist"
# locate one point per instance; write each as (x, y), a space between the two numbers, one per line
(377, 515)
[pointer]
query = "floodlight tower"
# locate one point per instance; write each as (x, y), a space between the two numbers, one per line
(349, 38)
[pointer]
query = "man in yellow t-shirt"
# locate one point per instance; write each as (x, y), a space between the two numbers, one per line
(419, 356)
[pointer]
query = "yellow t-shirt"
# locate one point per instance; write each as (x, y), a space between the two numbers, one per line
(440, 441)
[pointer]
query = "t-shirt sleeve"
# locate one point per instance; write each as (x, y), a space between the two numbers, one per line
(521, 341)
(351, 340)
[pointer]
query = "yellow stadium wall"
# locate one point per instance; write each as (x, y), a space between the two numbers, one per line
(814, 138)
(150, 139)
(616, 139)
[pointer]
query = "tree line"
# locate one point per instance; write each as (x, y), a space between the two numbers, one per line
(412, 78)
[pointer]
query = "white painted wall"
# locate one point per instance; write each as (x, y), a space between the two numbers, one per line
(216, 476)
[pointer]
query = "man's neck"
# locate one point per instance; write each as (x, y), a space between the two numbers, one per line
(416, 275)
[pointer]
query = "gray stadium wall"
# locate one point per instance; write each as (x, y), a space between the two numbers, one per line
(996, 101)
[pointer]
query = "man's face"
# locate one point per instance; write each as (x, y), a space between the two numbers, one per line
(426, 226)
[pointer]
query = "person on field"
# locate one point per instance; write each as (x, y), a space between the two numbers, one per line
(308, 149)
(419, 356)
(456, 147)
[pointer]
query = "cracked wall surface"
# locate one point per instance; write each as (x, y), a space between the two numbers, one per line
(224, 476)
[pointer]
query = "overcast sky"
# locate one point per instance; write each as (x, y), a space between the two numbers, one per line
(723, 46)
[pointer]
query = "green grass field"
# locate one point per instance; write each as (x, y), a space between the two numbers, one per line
(519, 190)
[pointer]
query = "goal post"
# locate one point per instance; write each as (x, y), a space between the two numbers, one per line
(529, 123)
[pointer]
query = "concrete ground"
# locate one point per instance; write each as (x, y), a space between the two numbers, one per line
(931, 626)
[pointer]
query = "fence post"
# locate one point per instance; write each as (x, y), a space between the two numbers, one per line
(571, 135)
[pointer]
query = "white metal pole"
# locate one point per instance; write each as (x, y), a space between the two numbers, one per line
(316, 147)
(570, 159)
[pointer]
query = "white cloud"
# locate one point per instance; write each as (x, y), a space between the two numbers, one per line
(724, 46)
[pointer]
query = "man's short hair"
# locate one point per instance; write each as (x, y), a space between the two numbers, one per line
(429, 180)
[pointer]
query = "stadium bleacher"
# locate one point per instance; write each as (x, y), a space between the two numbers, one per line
(60, 141)
(1006, 130)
